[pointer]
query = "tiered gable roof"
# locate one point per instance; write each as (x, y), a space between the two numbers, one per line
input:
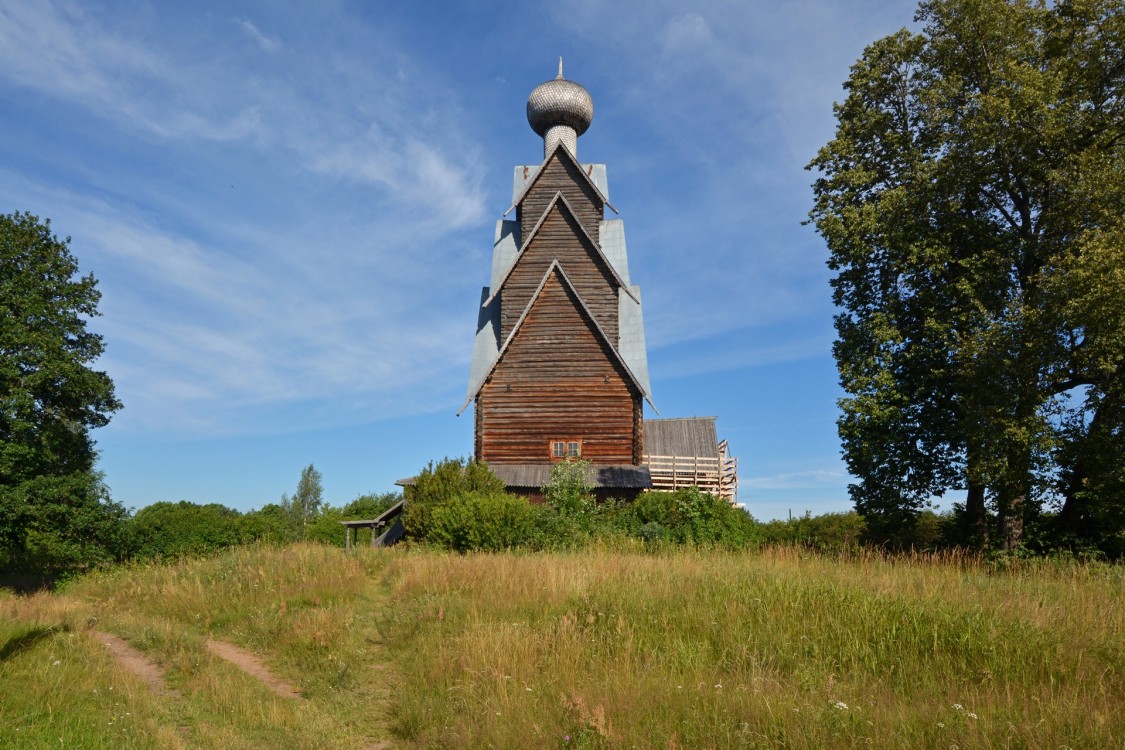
(556, 271)
(560, 203)
(581, 175)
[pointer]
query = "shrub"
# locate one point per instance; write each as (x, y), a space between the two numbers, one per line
(830, 532)
(479, 521)
(690, 515)
(270, 524)
(436, 485)
(567, 491)
(168, 530)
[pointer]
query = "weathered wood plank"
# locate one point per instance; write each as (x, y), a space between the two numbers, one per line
(558, 379)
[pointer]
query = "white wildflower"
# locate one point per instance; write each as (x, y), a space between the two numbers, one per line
(841, 705)
(958, 707)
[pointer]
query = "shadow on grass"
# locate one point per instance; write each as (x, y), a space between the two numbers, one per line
(17, 644)
(30, 583)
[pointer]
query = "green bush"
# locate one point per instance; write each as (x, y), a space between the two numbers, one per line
(486, 522)
(270, 524)
(67, 523)
(370, 505)
(438, 484)
(692, 516)
(168, 530)
(567, 491)
(831, 532)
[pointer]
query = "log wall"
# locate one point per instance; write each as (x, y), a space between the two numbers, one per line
(558, 379)
(560, 238)
(561, 174)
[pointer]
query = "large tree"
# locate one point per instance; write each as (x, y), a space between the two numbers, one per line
(972, 201)
(54, 509)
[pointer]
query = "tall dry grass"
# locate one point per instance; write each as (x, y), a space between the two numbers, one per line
(603, 648)
(780, 648)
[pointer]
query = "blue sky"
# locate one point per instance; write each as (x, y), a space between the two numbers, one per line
(290, 209)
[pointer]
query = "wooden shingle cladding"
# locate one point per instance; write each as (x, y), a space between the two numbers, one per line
(560, 237)
(562, 173)
(558, 377)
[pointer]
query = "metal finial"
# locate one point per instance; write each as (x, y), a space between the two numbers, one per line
(560, 66)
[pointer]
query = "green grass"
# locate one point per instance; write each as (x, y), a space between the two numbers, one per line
(591, 649)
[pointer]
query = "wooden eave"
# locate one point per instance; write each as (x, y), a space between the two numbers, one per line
(573, 160)
(592, 244)
(583, 309)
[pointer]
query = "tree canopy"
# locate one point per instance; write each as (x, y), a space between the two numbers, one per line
(53, 506)
(973, 203)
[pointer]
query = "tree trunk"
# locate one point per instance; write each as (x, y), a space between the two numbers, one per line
(976, 516)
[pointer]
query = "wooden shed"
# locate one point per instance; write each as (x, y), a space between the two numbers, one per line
(687, 452)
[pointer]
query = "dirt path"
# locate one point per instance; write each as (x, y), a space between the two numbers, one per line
(135, 662)
(249, 663)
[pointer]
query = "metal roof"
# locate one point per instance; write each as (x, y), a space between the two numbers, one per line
(611, 236)
(619, 476)
(688, 436)
(631, 339)
(505, 248)
(486, 346)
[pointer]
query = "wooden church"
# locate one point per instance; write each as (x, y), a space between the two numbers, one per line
(559, 367)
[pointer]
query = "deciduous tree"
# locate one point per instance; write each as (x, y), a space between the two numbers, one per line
(54, 509)
(972, 203)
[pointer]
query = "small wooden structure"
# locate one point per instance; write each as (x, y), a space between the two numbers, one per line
(687, 453)
(390, 521)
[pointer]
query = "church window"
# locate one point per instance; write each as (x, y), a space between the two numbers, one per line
(568, 448)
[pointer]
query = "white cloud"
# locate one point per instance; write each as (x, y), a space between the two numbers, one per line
(687, 35)
(267, 43)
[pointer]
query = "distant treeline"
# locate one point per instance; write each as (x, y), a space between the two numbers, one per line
(168, 530)
(458, 504)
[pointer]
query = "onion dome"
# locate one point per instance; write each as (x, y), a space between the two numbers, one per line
(560, 110)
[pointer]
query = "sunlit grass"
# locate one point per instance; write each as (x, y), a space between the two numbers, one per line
(772, 649)
(599, 648)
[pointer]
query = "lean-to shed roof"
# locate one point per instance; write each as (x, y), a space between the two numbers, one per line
(687, 436)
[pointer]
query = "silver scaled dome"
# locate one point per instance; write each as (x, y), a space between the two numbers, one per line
(560, 110)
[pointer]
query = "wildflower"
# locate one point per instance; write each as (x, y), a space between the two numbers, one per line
(566, 738)
(941, 725)
(719, 686)
(841, 705)
(958, 707)
(971, 715)
(56, 663)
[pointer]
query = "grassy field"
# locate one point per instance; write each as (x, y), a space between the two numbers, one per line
(592, 649)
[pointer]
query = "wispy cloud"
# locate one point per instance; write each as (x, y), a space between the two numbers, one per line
(267, 43)
(284, 243)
